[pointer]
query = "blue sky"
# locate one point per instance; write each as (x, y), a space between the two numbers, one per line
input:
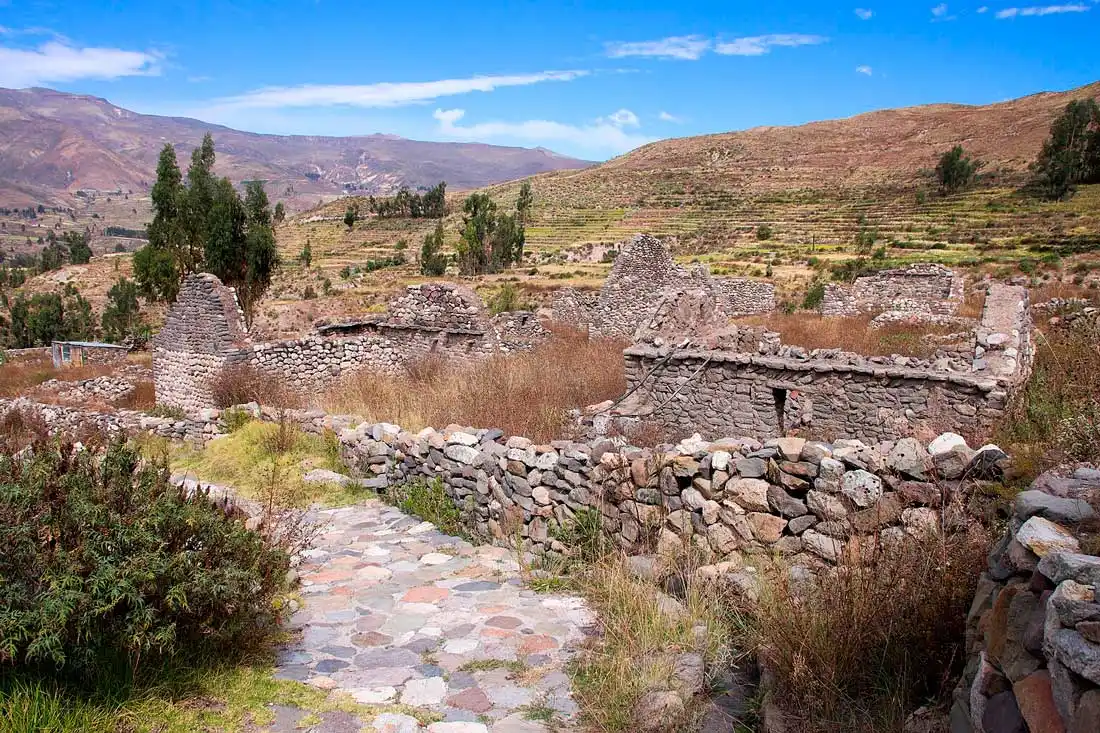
(590, 79)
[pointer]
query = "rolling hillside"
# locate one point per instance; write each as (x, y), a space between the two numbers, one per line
(53, 144)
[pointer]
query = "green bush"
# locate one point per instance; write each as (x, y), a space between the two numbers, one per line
(430, 502)
(814, 296)
(763, 232)
(108, 566)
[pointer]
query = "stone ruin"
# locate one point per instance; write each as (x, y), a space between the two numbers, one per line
(205, 333)
(925, 288)
(745, 381)
(642, 275)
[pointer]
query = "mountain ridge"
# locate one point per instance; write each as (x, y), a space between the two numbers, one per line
(53, 144)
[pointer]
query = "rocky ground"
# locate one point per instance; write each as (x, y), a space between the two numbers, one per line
(421, 624)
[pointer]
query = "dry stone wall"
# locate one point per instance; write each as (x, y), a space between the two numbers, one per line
(1033, 631)
(745, 381)
(205, 333)
(918, 288)
(642, 275)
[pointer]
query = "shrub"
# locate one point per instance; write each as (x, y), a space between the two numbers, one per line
(239, 384)
(815, 295)
(506, 299)
(429, 501)
(763, 232)
(858, 649)
(109, 565)
(308, 293)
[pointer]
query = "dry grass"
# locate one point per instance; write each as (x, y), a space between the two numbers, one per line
(814, 331)
(240, 384)
(1059, 289)
(1051, 419)
(523, 394)
(18, 376)
(637, 643)
(861, 648)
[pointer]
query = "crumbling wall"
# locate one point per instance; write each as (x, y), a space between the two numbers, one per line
(921, 288)
(204, 331)
(572, 306)
(643, 273)
(745, 381)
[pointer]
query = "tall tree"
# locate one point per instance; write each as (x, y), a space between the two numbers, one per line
(261, 254)
(1071, 154)
(159, 265)
(280, 213)
(80, 252)
(432, 260)
(122, 314)
(956, 171)
(202, 188)
(523, 203)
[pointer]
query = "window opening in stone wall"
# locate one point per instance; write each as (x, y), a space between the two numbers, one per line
(780, 397)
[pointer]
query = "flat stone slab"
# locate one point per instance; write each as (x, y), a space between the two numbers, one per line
(395, 611)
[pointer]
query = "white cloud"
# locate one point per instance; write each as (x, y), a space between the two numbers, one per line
(1041, 10)
(864, 13)
(983, 9)
(602, 136)
(667, 117)
(760, 45)
(622, 118)
(940, 10)
(682, 48)
(383, 94)
(865, 70)
(55, 61)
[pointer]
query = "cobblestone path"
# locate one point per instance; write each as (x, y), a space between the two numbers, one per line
(403, 617)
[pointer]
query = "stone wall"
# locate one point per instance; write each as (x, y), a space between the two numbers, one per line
(75, 422)
(643, 273)
(921, 288)
(745, 381)
(204, 331)
(1033, 630)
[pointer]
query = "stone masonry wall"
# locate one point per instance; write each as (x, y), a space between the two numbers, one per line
(204, 332)
(745, 381)
(1033, 631)
(922, 287)
(642, 273)
(809, 501)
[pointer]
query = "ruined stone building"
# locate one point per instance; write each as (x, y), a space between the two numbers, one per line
(745, 381)
(205, 333)
(918, 288)
(642, 275)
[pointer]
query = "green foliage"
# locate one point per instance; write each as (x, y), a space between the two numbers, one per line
(132, 571)
(280, 213)
(235, 418)
(122, 314)
(815, 295)
(408, 205)
(306, 255)
(763, 232)
(80, 253)
(956, 172)
(46, 317)
(1071, 154)
(429, 501)
(489, 240)
(523, 203)
(433, 262)
(865, 238)
(206, 225)
(584, 537)
(506, 299)
(351, 215)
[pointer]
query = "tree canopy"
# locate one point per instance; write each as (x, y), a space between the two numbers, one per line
(489, 240)
(956, 171)
(1071, 154)
(204, 224)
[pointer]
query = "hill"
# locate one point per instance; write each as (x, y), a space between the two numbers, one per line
(54, 144)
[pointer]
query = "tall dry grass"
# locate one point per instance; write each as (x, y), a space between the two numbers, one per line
(860, 648)
(523, 394)
(814, 331)
(18, 376)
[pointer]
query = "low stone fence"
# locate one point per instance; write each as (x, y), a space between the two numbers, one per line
(808, 501)
(196, 429)
(1034, 626)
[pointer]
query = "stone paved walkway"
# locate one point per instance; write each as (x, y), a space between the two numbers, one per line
(396, 613)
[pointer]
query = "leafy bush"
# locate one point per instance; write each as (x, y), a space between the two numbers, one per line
(815, 295)
(763, 232)
(429, 501)
(506, 299)
(108, 565)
